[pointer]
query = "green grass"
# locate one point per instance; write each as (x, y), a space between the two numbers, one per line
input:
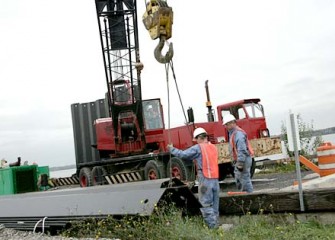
(164, 225)
(264, 229)
(286, 167)
(172, 225)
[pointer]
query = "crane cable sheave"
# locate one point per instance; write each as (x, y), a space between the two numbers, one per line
(158, 20)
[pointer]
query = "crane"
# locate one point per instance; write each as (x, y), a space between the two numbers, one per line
(126, 140)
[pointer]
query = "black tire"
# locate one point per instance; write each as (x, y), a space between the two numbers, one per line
(177, 168)
(98, 174)
(192, 173)
(252, 168)
(85, 177)
(151, 171)
(225, 169)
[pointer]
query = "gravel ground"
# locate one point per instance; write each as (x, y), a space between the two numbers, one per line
(277, 180)
(261, 181)
(11, 234)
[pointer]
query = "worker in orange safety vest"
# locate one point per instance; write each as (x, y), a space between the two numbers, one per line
(241, 152)
(206, 156)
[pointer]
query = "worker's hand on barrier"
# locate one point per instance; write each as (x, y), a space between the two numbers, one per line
(169, 146)
(239, 166)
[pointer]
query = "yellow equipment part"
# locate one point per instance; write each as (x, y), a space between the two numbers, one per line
(158, 19)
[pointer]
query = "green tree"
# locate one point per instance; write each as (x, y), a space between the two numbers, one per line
(308, 142)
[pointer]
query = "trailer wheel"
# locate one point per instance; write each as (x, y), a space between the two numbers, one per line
(253, 168)
(98, 174)
(225, 169)
(151, 170)
(176, 168)
(85, 177)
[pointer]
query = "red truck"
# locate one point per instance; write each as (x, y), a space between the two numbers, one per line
(102, 155)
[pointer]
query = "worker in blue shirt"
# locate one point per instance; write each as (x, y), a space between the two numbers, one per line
(242, 153)
(206, 157)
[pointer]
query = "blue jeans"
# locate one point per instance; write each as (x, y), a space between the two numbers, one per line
(209, 198)
(243, 179)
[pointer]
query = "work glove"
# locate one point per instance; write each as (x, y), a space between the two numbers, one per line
(169, 146)
(239, 166)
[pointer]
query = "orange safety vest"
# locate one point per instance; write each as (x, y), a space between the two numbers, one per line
(209, 154)
(233, 146)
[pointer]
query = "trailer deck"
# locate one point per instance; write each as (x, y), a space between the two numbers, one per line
(59, 207)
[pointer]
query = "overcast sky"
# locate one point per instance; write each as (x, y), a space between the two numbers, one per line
(50, 57)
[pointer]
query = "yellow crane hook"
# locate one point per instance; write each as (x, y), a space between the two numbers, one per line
(158, 51)
(158, 20)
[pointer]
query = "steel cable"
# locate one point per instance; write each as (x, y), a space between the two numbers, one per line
(183, 109)
(180, 100)
(167, 67)
(43, 222)
(169, 117)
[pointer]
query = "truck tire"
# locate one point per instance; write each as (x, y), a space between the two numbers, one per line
(151, 170)
(177, 168)
(98, 173)
(85, 177)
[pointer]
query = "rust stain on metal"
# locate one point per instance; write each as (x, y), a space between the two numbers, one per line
(262, 147)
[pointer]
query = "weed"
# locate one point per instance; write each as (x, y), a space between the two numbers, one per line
(165, 224)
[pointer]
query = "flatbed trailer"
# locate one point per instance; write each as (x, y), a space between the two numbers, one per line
(55, 209)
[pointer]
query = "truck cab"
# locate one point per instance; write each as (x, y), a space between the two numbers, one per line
(249, 114)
